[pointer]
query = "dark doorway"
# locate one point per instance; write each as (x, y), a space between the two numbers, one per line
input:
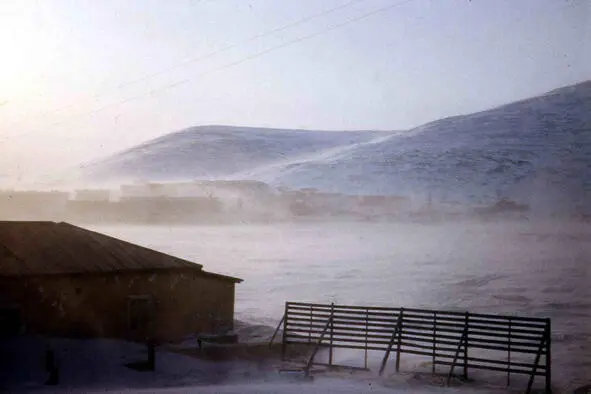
(10, 322)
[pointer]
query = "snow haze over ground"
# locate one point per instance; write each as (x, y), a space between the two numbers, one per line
(536, 151)
(538, 269)
(93, 366)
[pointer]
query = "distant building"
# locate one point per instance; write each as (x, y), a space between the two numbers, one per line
(167, 209)
(230, 188)
(30, 204)
(305, 202)
(384, 205)
(92, 205)
(94, 195)
(146, 190)
(62, 280)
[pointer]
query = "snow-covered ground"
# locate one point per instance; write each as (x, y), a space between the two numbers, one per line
(99, 366)
(521, 268)
(536, 151)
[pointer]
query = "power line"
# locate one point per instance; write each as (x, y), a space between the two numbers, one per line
(252, 38)
(200, 58)
(232, 64)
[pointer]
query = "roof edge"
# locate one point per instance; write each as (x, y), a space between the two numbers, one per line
(213, 275)
(131, 243)
(197, 271)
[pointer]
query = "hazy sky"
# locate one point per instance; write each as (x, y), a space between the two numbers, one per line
(82, 79)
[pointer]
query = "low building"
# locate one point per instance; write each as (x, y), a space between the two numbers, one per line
(94, 195)
(28, 204)
(383, 205)
(167, 209)
(62, 280)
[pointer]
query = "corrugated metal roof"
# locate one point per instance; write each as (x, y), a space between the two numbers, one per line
(47, 248)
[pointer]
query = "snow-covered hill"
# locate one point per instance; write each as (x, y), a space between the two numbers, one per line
(216, 151)
(536, 150)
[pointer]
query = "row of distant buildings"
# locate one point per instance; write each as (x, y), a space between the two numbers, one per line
(190, 202)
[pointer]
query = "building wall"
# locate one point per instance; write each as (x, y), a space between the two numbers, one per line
(92, 195)
(32, 205)
(93, 305)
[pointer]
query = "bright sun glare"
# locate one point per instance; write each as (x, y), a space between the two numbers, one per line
(25, 51)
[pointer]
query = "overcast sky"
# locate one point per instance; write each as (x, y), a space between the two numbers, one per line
(83, 79)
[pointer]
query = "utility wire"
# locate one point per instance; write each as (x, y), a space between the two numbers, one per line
(231, 64)
(200, 58)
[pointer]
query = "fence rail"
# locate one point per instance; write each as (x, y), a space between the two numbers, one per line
(449, 338)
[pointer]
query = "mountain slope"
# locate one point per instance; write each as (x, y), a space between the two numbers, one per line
(539, 145)
(216, 151)
(534, 148)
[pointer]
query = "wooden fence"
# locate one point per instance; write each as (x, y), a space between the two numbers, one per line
(458, 340)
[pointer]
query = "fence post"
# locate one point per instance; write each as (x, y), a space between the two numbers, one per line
(366, 334)
(390, 344)
(284, 339)
(400, 322)
(311, 360)
(543, 346)
(548, 356)
(151, 354)
(434, 340)
(458, 349)
(331, 333)
(276, 330)
(466, 347)
(310, 332)
(52, 367)
(509, 356)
